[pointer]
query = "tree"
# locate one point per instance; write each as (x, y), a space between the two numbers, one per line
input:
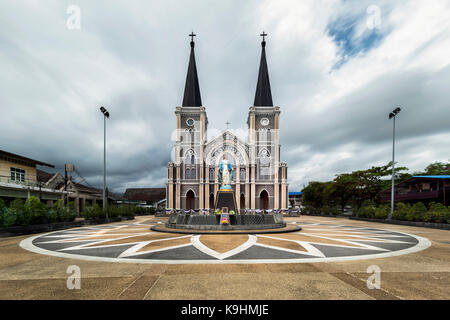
(318, 195)
(438, 168)
(362, 185)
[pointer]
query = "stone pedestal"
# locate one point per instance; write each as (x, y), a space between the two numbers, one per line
(226, 199)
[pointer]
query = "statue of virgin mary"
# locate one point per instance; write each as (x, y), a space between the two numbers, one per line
(225, 174)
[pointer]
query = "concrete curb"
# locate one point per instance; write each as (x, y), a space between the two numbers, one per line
(40, 228)
(433, 225)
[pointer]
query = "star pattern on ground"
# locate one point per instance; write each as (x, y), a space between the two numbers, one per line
(135, 242)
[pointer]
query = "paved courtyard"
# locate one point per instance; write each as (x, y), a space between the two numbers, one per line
(327, 259)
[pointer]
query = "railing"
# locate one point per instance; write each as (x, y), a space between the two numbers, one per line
(240, 212)
(412, 195)
(26, 182)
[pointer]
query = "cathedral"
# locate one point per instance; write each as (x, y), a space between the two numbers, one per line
(259, 178)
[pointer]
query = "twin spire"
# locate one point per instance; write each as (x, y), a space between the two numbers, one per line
(263, 95)
(192, 96)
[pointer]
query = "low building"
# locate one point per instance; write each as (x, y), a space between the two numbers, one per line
(154, 197)
(19, 178)
(80, 194)
(295, 199)
(424, 189)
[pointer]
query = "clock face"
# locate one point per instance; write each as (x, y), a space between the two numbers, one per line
(264, 121)
(190, 122)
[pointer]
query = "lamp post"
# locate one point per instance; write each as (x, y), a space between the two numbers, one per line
(392, 116)
(105, 115)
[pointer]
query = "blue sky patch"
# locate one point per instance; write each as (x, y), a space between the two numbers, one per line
(343, 31)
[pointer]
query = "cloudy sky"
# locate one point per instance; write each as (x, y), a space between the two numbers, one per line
(337, 68)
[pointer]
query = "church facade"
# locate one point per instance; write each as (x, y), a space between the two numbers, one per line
(259, 177)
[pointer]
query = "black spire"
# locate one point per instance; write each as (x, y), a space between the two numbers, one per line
(263, 96)
(192, 89)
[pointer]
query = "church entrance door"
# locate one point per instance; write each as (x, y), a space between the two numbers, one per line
(242, 202)
(211, 201)
(190, 200)
(264, 200)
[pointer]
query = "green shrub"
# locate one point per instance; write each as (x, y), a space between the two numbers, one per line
(2, 205)
(94, 212)
(88, 213)
(418, 211)
(98, 211)
(113, 211)
(401, 211)
(382, 212)
(23, 216)
(366, 211)
(127, 211)
(311, 210)
(9, 218)
(437, 213)
(52, 215)
(65, 213)
(3, 210)
(37, 210)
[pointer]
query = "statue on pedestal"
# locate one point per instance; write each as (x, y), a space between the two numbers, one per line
(225, 174)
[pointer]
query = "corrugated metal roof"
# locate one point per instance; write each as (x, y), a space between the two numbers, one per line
(433, 177)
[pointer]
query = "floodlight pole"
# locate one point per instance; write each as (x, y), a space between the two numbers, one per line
(393, 170)
(392, 115)
(104, 165)
(105, 115)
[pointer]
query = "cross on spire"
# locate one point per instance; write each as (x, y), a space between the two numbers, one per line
(227, 123)
(192, 35)
(263, 35)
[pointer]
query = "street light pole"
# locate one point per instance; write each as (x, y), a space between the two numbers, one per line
(105, 115)
(392, 115)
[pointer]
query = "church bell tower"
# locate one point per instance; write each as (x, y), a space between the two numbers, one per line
(268, 176)
(185, 187)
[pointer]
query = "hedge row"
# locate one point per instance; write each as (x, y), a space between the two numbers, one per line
(32, 211)
(436, 212)
(331, 211)
(96, 212)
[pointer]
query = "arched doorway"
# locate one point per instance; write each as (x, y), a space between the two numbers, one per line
(242, 202)
(264, 200)
(190, 200)
(211, 201)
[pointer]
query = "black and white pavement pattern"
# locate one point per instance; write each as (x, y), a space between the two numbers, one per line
(136, 243)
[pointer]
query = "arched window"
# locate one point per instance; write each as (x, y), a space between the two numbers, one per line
(262, 133)
(264, 164)
(189, 164)
(190, 157)
(189, 135)
(242, 174)
(211, 174)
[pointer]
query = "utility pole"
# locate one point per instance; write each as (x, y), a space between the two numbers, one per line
(65, 185)
(68, 167)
